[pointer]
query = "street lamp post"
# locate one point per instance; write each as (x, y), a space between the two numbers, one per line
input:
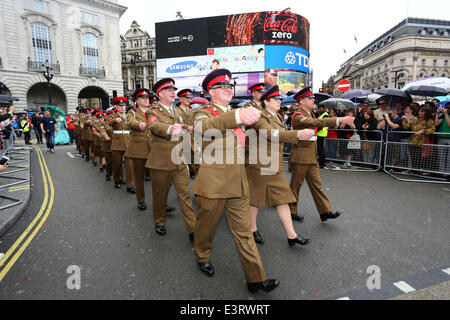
(135, 55)
(48, 76)
(396, 77)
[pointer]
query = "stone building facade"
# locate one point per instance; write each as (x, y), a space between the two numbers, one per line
(137, 43)
(79, 40)
(413, 49)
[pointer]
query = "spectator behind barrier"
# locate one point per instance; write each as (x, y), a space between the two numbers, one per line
(442, 123)
(423, 126)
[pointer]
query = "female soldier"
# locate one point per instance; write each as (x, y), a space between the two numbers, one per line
(268, 184)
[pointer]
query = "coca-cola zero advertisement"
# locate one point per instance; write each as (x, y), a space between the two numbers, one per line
(286, 28)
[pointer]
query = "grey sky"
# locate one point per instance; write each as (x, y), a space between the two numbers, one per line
(334, 23)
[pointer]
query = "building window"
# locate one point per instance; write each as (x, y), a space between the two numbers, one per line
(402, 62)
(89, 18)
(445, 62)
(90, 51)
(42, 43)
(125, 86)
(423, 62)
(124, 72)
(39, 5)
(434, 62)
(124, 57)
(150, 55)
(401, 85)
(139, 71)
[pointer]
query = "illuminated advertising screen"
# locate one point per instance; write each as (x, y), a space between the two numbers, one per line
(194, 83)
(181, 38)
(237, 59)
(181, 67)
(287, 57)
(286, 28)
(235, 30)
(245, 80)
(286, 80)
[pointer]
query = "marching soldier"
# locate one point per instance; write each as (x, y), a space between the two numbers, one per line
(224, 185)
(267, 182)
(91, 137)
(303, 157)
(106, 134)
(97, 126)
(256, 91)
(76, 122)
(86, 127)
(120, 142)
(139, 146)
(185, 108)
(165, 122)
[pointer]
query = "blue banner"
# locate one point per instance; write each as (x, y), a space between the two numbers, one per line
(287, 57)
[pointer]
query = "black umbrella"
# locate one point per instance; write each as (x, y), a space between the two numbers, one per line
(426, 91)
(5, 97)
(337, 103)
(357, 93)
(393, 96)
(320, 96)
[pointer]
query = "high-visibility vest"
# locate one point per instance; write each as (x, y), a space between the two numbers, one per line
(324, 131)
(25, 125)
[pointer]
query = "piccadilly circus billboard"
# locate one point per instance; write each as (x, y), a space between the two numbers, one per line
(247, 43)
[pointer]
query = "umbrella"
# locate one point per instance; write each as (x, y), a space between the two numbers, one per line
(442, 103)
(288, 100)
(357, 93)
(320, 96)
(426, 91)
(337, 103)
(200, 100)
(440, 82)
(393, 95)
(8, 98)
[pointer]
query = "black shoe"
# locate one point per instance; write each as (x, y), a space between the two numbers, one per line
(192, 174)
(191, 237)
(258, 237)
(297, 217)
(161, 230)
(82, 156)
(169, 209)
(102, 170)
(142, 205)
(147, 178)
(298, 240)
(329, 215)
(107, 178)
(131, 190)
(122, 182)
(95, 164)
(206, 268)
(266, 286)
(117, 185)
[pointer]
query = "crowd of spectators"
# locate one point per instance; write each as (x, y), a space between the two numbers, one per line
(410, 130)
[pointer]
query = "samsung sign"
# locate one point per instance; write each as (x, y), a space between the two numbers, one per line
(287, 57)
(181, 67)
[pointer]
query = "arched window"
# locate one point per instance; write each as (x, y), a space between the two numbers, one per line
(90, 52)
(42, 42)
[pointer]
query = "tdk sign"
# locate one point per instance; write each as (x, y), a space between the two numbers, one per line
(286, 57)
(181, 67)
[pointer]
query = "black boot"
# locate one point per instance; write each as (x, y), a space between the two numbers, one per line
(266, 286)
(298, 240)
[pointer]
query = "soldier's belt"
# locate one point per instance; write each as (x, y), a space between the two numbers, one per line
(121, 131)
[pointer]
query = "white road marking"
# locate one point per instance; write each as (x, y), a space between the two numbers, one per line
(2, 255)
(70, 155)
(403, 286)
(344, 298)
(447, 271)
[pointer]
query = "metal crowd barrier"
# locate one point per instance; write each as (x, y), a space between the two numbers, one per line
(429, 161)
(360, 152)
(8, 150)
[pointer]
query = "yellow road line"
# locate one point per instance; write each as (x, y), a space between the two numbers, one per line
(19, 189)
(45, 172)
